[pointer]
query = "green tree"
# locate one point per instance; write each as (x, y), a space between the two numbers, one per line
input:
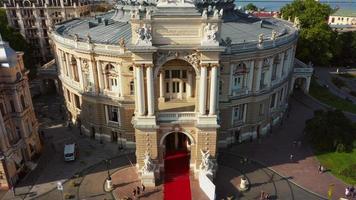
(330, 131)
(316, 37)
(16, 41)
(251, 6)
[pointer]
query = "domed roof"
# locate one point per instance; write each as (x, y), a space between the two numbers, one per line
(8, 57)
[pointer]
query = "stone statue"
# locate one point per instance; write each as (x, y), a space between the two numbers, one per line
(210, 34)
(148, 14)
(296, 23)
(274, 35)
(144, 37)
(148, 165)
(76, 37)
(260, 39)
(89, 38)
(207, 165)
(135, 13)
(205, 13)
(216, 13)
(122, 43)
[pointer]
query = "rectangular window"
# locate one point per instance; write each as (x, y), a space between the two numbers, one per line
(77, 101)
(12, 106)
(113, 113)
(175, 73)
(2, 109)
(177, 83)
(273, 99)
(261, 109)
(68, 96)
(166, 74)
(184, 87)
(167, 87)
(184, 74)
(262, 82)
(132, 88)
(281, 95)
(238, 114)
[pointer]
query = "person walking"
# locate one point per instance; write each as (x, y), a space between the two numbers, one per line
(291, 157)
(143, 188)
(138, 190)
(319, 169)
(134, 193)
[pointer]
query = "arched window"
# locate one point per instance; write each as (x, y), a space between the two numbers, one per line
(74, 65)
(132, 88)
(111, 77)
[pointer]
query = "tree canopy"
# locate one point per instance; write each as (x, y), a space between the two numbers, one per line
(315, 43)
(251, 6)
(330, 131)
(15, 39)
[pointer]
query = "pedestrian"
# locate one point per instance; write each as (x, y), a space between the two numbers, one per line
(352, 191)
(319, 169)
(347, 191)
(322, 169)
(138, 190)
(143, 188)
(291, 157)
(294, 143)
(134, 193)
(262, 196)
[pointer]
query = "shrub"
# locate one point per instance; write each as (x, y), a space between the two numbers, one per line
(349, 171)
(330, 131)
(338, 82)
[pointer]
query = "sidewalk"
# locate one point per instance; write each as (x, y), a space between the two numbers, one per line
(274, 151)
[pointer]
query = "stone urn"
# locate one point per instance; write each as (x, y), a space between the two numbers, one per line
(243, 184)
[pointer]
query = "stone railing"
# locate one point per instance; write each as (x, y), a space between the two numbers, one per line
(253, 45)
(176, 116)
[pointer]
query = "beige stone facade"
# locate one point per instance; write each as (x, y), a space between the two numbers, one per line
(19, 138)
(35, 18)
(170, 72)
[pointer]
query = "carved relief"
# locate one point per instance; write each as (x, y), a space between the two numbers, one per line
(210, 32)
(163, 57)
(144, 36)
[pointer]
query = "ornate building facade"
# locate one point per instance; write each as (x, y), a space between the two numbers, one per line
(173, 75)
(34, 19)
(19, 140)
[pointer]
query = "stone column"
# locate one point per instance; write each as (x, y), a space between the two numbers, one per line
(140, 91)
(150, 92)
(250, 75)
(161, 86)
(258, 75)
(189, 85)
(80, 73)
(213, 90)
(269, 73)
(100, 77)
(202, 90)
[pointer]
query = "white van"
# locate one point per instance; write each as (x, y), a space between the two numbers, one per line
(70, 152)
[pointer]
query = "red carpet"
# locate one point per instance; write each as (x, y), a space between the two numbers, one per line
(176, 181)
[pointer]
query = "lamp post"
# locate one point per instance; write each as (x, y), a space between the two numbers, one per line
(108, 183)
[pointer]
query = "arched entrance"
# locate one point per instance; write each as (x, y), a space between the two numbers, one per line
(177, 141)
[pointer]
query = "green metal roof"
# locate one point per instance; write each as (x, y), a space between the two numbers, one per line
(345, 13)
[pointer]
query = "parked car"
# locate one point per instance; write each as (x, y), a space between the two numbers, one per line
(70, 152)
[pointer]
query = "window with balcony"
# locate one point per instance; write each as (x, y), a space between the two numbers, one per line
(112, 113)
(239, 76)
(263, 79)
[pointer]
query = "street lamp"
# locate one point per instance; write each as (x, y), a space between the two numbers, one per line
(108, 183)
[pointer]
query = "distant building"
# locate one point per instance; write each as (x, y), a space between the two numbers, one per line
(343, 20)
(34, 18)
(19, 140)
